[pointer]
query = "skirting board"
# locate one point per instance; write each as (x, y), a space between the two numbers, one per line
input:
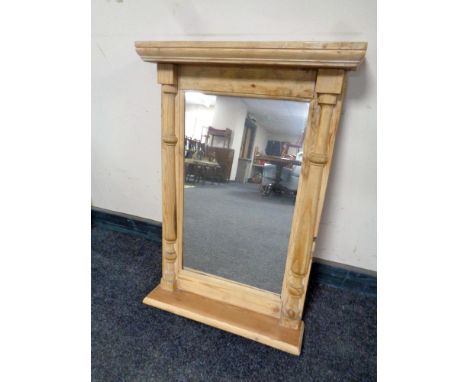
(327, 273)
(116, 221)
(255, 326)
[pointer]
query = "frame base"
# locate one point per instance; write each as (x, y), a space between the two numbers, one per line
(246, 323)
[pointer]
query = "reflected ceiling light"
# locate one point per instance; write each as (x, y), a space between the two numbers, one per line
(198, 98)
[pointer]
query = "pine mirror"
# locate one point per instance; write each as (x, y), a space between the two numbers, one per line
(248, 130)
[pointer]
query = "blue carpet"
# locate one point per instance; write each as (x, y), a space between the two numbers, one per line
(134, 342)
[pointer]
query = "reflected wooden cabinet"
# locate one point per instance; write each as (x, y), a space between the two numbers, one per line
(224, 156)
(297, 85)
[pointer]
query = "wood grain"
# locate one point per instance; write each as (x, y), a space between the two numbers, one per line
(329, 81)
(306, 210)
(326, 172)
(231, 292)
(245, 323)
(345, 55)
(179, 176)
(167, 74)
(309, 71)
(285, 83)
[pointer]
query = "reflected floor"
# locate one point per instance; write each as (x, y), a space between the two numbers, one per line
(232, 231)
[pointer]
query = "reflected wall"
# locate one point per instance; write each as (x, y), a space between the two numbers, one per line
(241, 172)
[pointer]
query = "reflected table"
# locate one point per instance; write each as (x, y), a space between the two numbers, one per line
(201, 169)
(279, 162)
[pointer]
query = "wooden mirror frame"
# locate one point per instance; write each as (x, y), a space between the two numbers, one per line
(304, 71)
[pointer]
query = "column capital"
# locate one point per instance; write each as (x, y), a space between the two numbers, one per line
(167, 74)
(329, 81)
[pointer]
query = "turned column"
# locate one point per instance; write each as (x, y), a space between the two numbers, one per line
(167, 77)
(329, 85)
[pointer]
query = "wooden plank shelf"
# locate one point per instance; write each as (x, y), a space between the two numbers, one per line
(246, 323)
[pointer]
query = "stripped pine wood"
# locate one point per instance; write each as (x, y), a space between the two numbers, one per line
(324, 85)
(310, 71)
(179, 174)
(167, 77)
(229, 291)
(346, 55)
(287, 83)
(243, 322)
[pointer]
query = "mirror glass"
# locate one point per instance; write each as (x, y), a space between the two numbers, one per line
(242, 165)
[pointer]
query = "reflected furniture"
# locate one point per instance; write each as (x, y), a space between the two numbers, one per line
(225, 135)
(313, 72)
(200, 170)
(280, 161)
(224, 156)
(290, 178)
(282, 173)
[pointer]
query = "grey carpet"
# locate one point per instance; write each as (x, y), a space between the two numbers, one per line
(232, 231)
(134, 342)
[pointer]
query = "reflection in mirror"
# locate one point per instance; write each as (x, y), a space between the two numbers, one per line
(242, 165)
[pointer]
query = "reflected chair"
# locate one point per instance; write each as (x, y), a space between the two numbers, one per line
(268, 178)
(290, 178)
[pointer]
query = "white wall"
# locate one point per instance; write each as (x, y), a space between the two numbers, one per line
(197, 120)
(126, 166)
(261, 138)
(230, 113)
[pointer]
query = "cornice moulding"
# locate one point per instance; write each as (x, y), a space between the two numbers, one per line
(342, 55)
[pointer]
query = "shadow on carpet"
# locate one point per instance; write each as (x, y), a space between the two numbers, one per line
(134, 342)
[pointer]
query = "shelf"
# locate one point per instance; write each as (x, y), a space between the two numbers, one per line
(240, 321)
